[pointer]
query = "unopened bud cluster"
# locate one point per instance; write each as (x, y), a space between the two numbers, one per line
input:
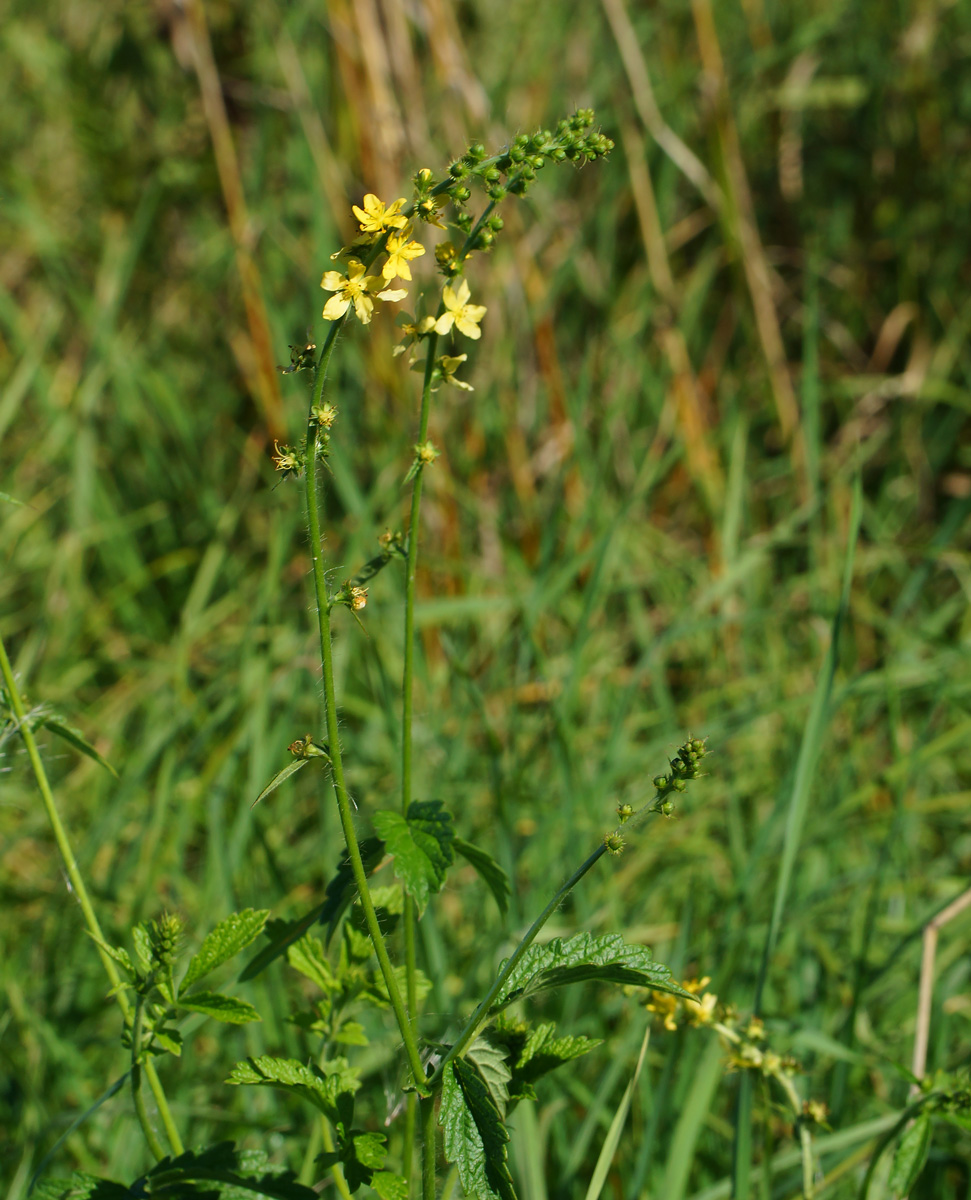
(683, 767)
(163, 937)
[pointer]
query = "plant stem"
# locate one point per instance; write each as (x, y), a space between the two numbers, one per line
(333, 733)
(480, 1014)
(136, 1084)
(428, 1147)
(409, 915)
(79, 888)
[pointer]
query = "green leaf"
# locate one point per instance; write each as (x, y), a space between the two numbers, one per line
(168, 1040)
(307, 956)
(390, 1186)
(342, 889)
(351, 1033)
(492, 874)
(81, 1186)
(318, 1085)
(535, 1052)
(143, 946)
(228, 1168)
(291, 768)
(8, 499)
(491, 1063)
(910, 1156)
(75, 738)
(585, 956)
(421, 843)
(120, 955)
(475, 1137)
(228, 1009)
(227, 939)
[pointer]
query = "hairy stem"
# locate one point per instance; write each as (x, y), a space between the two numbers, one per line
(79, 887)
(333, 733)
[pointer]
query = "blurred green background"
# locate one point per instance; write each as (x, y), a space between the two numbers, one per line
(637, 529)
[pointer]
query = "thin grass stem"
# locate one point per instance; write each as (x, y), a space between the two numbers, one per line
(78, 886)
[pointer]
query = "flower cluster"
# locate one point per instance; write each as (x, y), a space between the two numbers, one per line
(744, 1039)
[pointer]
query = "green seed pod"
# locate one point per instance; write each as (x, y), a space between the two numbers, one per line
(517, 154)
(667, 808)
(458, 169)
(495, 222)
(679, 785)
(625, 812)
(661, 782)
(614, 842)
(496, 192)
(492, 175)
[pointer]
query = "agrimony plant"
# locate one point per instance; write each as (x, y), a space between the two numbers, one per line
(468, 1079)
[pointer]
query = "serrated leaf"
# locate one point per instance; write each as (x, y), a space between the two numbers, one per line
(318, 1085)
(291, 768)
(488, 869)
(228, 1009)
(360, 1155)
(118, 953)
(585, 956)
(535, 1052)
(80, 1186)
(74, 737)
(307, 956)
(143, 946)
(421, 844)
(351, 1033)
(227, 939)
(491, 1063)
(475, 1137)
(910, 1156)
(168, 1040)
(390, 1186)
(342, 889)
(369, 1149)
(231, 1170)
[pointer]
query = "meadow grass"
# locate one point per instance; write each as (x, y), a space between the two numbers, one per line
(626, 539)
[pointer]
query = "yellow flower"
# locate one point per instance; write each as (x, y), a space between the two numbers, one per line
(666, 1006)
(449, 363)
(356, 289)
(464, 316)
(375, 218)
(400, 253)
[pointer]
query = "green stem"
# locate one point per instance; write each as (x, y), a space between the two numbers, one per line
(138, 1097)
(428, 1148)
(79, 888)
(482, 1012)
(409, 915)
(333, 733)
